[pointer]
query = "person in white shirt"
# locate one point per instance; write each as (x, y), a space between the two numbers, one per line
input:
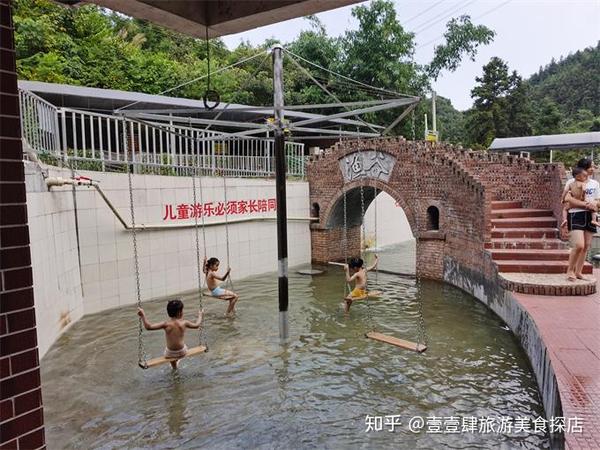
(581, 214)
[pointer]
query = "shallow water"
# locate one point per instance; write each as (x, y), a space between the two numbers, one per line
(248, 391)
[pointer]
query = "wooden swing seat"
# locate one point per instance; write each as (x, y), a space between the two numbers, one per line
(222, 297)
(419, 348)
(370, 294)
(164, 360)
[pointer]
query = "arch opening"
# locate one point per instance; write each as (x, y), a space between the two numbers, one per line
(433, 218)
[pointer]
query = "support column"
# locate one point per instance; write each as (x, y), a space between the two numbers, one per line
(21, 414)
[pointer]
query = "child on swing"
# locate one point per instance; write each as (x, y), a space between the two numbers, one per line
(174, 329)
(211, 266)
(359, 276)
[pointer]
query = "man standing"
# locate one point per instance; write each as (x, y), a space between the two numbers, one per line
(579, 219)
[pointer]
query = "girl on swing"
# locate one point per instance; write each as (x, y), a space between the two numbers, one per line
(211, 266)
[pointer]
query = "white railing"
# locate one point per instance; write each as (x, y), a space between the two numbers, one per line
(39, 123)
(92, 141)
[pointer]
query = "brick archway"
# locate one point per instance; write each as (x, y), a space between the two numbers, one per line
(460, 183)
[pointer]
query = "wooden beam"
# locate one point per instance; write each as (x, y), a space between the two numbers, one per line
(163, 360)
(419, 348)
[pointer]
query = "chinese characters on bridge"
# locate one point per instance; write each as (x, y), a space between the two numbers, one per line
(367, 164)
(185, 211)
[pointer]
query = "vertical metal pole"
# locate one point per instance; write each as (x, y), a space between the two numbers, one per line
(280, 189)
(551, 155)
(433, 112)
(426, 130)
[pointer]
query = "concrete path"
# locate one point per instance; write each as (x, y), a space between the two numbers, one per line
(570, 328)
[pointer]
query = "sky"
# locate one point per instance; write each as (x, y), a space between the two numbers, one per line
(529, 33)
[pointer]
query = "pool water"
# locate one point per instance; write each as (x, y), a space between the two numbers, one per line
(249, 391)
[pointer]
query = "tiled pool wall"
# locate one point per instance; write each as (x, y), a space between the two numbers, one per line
(88, 266)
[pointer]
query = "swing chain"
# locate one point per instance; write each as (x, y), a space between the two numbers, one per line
(414, 135)
(142, 356)
(422, 337)
(201, 336)
(227, 229)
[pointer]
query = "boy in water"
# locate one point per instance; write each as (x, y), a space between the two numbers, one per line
(212, 281)
(359, 276)
(576, 191)
(174, 329)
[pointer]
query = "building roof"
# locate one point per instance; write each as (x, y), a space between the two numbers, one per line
(108, 100)
(217, 17)
(547, 142)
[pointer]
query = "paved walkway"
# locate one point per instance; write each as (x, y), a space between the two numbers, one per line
(570, 328)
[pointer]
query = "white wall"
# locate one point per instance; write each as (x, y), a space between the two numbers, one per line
(167, 257)
(392, 225)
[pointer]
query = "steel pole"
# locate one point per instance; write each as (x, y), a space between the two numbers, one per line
(279, 149)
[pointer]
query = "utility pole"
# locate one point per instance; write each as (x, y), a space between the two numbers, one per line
(279, 147)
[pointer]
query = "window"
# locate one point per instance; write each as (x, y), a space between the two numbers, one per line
(433, 218)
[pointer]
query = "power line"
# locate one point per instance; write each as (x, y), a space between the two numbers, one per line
(423, 12)
(443, 15)
(489, 11)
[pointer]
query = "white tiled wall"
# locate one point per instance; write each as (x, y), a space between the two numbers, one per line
(167, 258)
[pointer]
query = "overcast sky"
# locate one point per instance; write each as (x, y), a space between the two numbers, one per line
(529, 33)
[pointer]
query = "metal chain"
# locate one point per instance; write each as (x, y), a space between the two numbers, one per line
(227, 229)
(421, 330)
(414, 134)
(142, 356)
(363, 240)
(375, 244)
(198, 211)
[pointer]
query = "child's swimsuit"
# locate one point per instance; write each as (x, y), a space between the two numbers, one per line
(176, 353)
(218, 291)
(358, 292)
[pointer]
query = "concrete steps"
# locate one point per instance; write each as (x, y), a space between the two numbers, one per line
(538, 233)
(530, 257)
(525, 222)
(520, 212)
(537, 266)
(525, 243)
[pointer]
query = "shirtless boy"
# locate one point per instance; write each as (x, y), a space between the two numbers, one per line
(174, 329)
(359, 276)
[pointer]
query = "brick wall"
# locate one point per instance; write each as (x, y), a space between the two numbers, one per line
(21, 415)
(460, 183)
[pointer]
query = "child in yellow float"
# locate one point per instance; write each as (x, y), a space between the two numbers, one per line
(359, 276)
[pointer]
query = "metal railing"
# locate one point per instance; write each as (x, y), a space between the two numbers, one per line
(91, 141)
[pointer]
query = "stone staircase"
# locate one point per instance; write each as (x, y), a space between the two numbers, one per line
(530, 257)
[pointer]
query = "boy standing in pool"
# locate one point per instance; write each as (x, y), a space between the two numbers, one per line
(174, 329)
(212, 281)
(359, 276)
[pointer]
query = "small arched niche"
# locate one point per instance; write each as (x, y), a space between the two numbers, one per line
(433, 218)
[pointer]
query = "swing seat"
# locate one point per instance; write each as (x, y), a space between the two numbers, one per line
(222, 297)
(164, 360)
(370, 294)
(419, 348)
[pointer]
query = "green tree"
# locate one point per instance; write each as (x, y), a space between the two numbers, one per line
(548, 118)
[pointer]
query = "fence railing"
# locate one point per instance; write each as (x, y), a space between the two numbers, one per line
(92, 141)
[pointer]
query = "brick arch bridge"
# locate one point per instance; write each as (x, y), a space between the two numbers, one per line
(483, 199)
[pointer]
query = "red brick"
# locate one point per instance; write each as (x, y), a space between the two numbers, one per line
(12, 192)
(4, 367)
(9, 105)
(11, 171)
(24, 361)
(10, 149)
(13, 214)
(18, 278)
(18, 384)
(28, 402)
(6, 410)
(12, 445)
(14, 236)
(33, 440)
(15, 257)
(21, 425)
(11, 301)
(18, 342)
(20, 320)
